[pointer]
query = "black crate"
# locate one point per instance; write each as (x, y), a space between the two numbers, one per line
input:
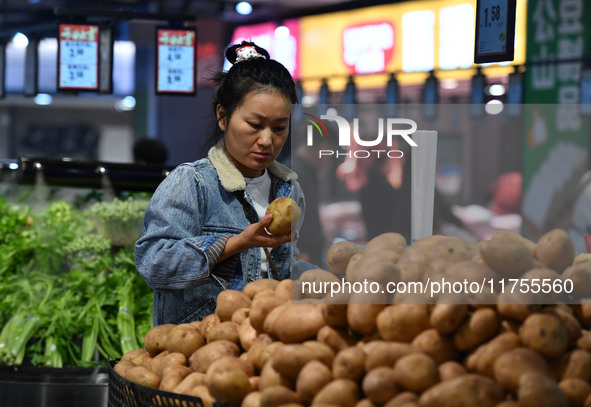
(123, 393)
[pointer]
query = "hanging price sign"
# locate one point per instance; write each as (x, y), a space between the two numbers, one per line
(495, 31)
(78, 57)
(176, 56)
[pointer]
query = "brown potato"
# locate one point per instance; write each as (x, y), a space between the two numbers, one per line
(261, 307)
(509, 367)
(339, 254)
(185, 339)
(404, 399)
(207, 322)
(207, 354)
(298, 322)
(315, 283)
(240, 315)
(575, 364)
(544, 333)
(580, 275)
(385, 353)
(164, 359)
(446, 318)
(386, 241)
(254, 354)
(416, 372)
(252, 399)
(450, 370)
(227, 330)
(337, 338)
(380, 385)
(172, 376)
(467, 390)
(270, 377)
(555, 250)
(285, 211)
(201, 392)
(311, 379)
(480, 326)
(289, 359)
(156, 337)
(255, 287)
(361, 317)
(538, 390)
(339, 392)
(508, 257)
(576, 390)
(349, 363)
(229, 301)
(227, 380)
(123, 366)
(487, 353)
(440, 348)
(275, 396)
(190, 381)
(246, 334)
(284, 290)
(402, 322)
(144, 376)
(133, 354)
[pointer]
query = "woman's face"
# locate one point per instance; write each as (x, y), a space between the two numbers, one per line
(257, 130)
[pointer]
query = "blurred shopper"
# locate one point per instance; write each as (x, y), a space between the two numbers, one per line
(150, 151)
(204, 229)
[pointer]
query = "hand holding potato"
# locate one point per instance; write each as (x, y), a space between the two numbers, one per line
(285, 211)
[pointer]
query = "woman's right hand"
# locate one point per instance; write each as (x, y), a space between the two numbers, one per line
(255, 235)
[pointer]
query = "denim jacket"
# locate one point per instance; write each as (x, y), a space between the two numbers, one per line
(187, 223)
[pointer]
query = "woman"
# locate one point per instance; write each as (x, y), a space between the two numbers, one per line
(204, 229)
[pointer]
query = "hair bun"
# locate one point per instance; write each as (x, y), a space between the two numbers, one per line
(245, 51)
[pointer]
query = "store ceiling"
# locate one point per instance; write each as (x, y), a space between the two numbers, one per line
(21, 15)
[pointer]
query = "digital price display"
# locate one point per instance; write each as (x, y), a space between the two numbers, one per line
(176, 56)
(495, 31)
(78, 57)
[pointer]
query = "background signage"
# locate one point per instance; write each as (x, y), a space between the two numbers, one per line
(176, 56)
(78, 57)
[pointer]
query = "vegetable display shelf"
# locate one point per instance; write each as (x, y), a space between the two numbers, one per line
(63, 387)
(123, 393)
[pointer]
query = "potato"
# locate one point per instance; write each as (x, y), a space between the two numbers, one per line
(538, 390)
(416, 372)
(378, 271)
(164, 359)
(507, 234)
(480, 326)
(361, 317)
(339, 254)
(254, 354)
(508, 257)
(191, 381)
(298, 322)
(133, 354)
(185, 339)
(335, 313)
(285, 211)
(402, 322)
(207, 322)
(576, 390)
(260, 307)
(516, 305)
(404, 399)
(349, 363)
(446, 318)
(450, 370)
(255, 287)
(276, 396)
(364, 264)
(270, 377)
(172, 376)
(227, 380)
(285, 290)
(580, 275)
(156, 337)
(200, 360)
(246, 334)
(229, 301)
(227, 330)
(202, 392)
(509, 367)
(144, 376)
(240, 315)
(316, 282)
(379, 384)
(252, 399)
(336, 338)
(352, 265)
(544, 333)
(311, 379)
(440, 348)
(289, 359)
(555, 250)
(467, 390)
(123, 366)
(339, 392)
(487, 353)
(385, 353)
(575, 364)
(386, 241)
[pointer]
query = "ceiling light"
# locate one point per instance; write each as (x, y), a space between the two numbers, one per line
(281, 32)
(126, 104)
(449, 83)
(20, 40)
(244, 8)
(496, 89)
(493, 107)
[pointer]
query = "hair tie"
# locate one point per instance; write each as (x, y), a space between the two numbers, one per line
(246, 52)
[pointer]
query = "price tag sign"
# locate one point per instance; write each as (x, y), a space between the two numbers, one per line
(176, 56)
(495, 31)
(78, 57)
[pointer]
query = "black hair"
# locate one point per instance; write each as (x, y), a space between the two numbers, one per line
(257, 73)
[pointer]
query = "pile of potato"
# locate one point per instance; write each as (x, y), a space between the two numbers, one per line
(270, 345)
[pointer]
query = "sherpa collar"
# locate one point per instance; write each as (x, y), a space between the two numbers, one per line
(231, 178)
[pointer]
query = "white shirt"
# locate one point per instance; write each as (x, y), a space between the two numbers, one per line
(259, 188)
